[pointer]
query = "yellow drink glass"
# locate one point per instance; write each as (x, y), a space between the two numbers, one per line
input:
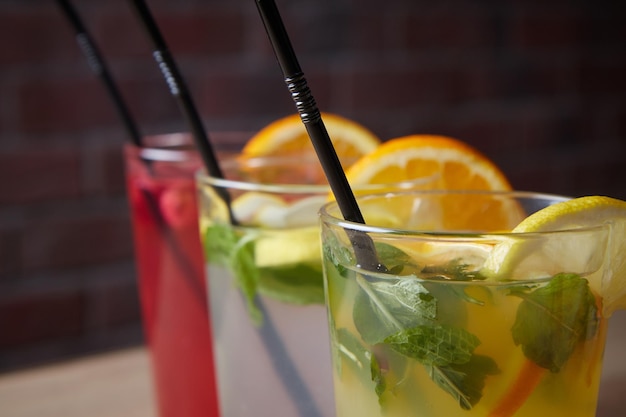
(435, 333)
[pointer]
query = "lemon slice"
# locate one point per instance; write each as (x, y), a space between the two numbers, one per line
(304, 211)
(246, 207)
(291, 234)
(284, 247)
(565, 254)
(298, 214)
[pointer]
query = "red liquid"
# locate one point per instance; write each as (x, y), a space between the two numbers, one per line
(172, 286)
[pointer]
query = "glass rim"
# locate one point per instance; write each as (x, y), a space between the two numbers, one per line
(175, 146)
(291, 188)
(166, 147)
(326, 216)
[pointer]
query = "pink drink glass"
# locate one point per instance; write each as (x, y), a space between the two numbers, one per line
(171, 280)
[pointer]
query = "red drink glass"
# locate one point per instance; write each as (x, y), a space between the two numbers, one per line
(171, 281)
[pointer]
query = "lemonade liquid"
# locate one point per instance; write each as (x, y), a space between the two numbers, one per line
(171, 282)
(572, 391)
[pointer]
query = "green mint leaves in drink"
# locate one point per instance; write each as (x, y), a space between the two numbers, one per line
(404, 316)
(464, 381)
(300, 283)
(383, 308)
(223, 247)
(422, 320)
(294, 283)
(553, 319)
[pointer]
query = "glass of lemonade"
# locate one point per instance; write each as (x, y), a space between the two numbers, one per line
(172, 288)
(266, 298)
(463, 317)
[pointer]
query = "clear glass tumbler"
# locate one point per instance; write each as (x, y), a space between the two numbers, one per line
(171, 281)
(259, 228)
(463, 317)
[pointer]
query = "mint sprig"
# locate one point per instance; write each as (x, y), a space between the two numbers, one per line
(363, 362)
(422, 320)
(300, 283)
(383, 308)
(403, 315)
(435, 345)
(219, 241)
(296, 283)
(396, 260)
(224, 247)
(553, 319)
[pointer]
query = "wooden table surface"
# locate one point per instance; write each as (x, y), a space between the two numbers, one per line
(113, 384)
(118, 384)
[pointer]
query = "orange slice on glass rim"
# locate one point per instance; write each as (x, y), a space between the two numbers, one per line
(452, 165)
(458, 165)
(288, 136)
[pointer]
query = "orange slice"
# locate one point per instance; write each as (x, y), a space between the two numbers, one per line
(460, 166)
(529, 376)
(456, 166)
(288, 136)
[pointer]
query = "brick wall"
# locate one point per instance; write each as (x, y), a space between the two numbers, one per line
(537, 86)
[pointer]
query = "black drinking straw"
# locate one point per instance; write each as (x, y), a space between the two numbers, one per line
(286, 369)
(312, 119)
(178, 88)
(99, 67)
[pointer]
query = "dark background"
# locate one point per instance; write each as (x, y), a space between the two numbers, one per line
(538, 86)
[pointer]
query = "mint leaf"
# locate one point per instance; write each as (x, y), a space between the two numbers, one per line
(383, 308)
(435, 345)
(224, 247)
(295, 284)
(451, 302)
(337, 254)
(247, 276)
(378, 378)
(553, 319)
(454, 270)
(448, 355)
(395, 260)
(350, 348)
(219, 241)
(363, 362)
(410, 318)
(465, 382)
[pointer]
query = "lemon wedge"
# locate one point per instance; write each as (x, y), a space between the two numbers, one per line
(536, 256)
(290, 230)
(247, 206)
(287, 247)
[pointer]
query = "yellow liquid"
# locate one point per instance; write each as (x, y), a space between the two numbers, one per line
(520, 389)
